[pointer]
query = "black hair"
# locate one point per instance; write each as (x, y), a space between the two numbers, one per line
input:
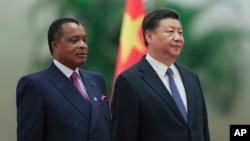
(152, 19)
(55, 31)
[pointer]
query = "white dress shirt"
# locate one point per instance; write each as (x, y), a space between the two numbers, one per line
(161, 69)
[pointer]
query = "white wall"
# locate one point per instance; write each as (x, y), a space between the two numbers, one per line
(16, 40)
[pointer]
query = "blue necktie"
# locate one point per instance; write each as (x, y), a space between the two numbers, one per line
(175, 94)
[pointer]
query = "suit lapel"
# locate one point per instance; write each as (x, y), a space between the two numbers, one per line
(65, 86)
(186, 79)
(94, 97)
(153, 80)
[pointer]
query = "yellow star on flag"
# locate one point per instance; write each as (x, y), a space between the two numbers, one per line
(130, 38)
(131, 46)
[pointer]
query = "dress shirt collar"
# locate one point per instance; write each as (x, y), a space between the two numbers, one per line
(64, 69)
(159, 67)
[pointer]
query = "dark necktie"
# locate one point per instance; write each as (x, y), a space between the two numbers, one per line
(175, 94)
(74, 78)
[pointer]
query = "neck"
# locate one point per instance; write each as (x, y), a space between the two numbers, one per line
(164, 59)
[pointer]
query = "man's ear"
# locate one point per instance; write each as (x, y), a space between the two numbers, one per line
(148, 36)
(54, 46)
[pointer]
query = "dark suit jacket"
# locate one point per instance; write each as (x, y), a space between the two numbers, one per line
(50, 108)
(143, 109)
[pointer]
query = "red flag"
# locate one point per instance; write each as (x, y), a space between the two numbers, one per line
(131, 46)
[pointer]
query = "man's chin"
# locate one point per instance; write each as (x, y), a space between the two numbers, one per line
(81, 61)
(175, 55)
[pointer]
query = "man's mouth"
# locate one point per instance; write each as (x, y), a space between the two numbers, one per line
(81, 54)
(176, 46)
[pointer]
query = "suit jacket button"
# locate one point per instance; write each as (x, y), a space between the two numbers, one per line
(75, 122)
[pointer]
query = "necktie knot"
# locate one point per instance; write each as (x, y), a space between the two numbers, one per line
(169, 72)
(74, 76)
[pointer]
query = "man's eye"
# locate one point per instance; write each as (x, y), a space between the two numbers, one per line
(84, 39)
(170, 31)
(74, 40)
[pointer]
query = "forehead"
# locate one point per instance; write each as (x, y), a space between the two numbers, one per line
(170, 22)
(73, 29)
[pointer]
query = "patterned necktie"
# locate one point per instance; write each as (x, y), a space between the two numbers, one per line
(74, 78)
(175, 94)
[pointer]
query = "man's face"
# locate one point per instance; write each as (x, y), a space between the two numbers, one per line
(167, 39)
(71, 49)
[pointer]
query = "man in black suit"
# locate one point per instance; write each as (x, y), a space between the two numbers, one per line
(63, 102)
(158, 99)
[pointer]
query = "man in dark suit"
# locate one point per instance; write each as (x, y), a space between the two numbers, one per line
(158, 99)
(63, 102)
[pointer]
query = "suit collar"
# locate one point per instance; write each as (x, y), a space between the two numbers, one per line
(188, 84)
(65, 86)
(64, 69)
(159, 67)
(153, 80)
(94, 95)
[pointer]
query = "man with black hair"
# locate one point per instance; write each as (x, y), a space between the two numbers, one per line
(63, 102)
(158, 99)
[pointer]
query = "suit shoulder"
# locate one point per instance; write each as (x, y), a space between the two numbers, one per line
(186, 69)
(91, 73)
(32, 79)
(131, 71)
(36, 75)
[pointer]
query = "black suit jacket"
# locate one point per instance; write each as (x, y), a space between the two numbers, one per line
(50, 108)
(143, 109)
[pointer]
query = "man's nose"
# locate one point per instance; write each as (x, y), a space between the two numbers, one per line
(82, 44)
(177, 36)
